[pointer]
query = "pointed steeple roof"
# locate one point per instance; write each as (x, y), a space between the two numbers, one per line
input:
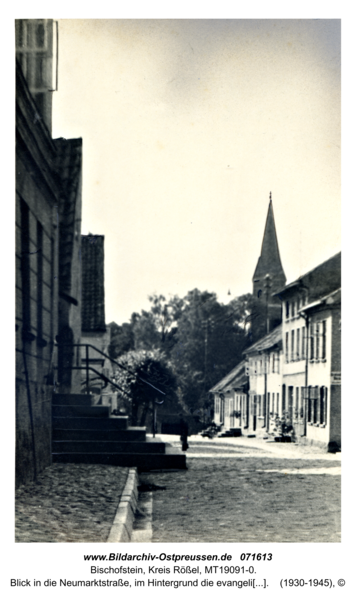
(269, 261)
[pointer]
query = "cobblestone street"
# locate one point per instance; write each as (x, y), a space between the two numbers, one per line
(248, 491)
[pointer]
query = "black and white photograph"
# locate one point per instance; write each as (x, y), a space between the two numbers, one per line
(178, 297)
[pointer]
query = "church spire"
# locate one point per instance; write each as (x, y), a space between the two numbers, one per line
(269, 262)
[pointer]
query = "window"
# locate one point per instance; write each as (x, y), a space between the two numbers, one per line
(290, 402)
(312, 345)
(323, 339)
(317, 340)
(303, 401)
(283, 398)
(264, 411)
(277, 404)
(272, 407)
(303, 343)
(309, 401)
(321, 405)
(39, 280)
(292, 346)
(40, 35)
(297, 350)
(25, 267)
(217, 404)
(316, 404)
(287, 310)
(297, 401)
(277, 362)
(292, 306)
(286, 348)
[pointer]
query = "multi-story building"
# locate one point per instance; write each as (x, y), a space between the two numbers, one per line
(311, 346)
(294, 371)
(48, 215)
(231, 409)
(231, 395)
(264, 364)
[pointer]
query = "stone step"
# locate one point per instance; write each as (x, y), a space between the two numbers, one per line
(103, 424)
(94, 446)
(143, 461)
(72, 399)
(132, 434)
(80, 411)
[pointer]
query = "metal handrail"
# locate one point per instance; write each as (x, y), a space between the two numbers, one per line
(111, 359)
(101, 376)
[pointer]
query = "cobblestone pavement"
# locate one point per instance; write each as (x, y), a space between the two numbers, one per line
(236, 492)
(69, 503)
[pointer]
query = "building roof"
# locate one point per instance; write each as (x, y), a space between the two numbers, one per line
(331, 299)
(268, 341)
(318, 282)
(239, 381)
(93, 293)
(269, 260)
(236, 378)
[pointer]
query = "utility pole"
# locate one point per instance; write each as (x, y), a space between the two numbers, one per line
(267, 293)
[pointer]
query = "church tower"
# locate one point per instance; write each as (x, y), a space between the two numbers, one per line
(269, 276)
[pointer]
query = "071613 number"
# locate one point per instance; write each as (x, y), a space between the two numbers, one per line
(258, 556)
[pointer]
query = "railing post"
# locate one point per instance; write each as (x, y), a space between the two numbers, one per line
(87, 366)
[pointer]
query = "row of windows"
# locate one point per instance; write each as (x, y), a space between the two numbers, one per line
(259, 405)
(30, 34)
(313, 398)
(268, 363)
(317, 398)
(296, 343)
(295, 400)
(27, 273)
(236, 407)
(317, 340)
(291, 308)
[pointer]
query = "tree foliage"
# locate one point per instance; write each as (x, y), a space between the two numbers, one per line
(148, 373)
(209, 344)
(201, 338)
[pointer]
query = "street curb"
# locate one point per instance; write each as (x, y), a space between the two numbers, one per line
(121, 529)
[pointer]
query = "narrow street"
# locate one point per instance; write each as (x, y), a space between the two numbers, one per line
(245, 490)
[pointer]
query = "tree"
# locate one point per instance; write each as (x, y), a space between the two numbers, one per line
(155, 329)
(209, 343)
(122, 339)
(148, 374)
(146, 336)
(250, 315)
(202, 338)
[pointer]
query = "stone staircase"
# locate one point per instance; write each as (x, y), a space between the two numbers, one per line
(82, 433)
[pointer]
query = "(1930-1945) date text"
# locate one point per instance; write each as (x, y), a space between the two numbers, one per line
(306, 583)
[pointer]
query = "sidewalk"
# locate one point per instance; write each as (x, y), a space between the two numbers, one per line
(254, 445)
(69, 503)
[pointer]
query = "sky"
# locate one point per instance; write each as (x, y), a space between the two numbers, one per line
(187, 127)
